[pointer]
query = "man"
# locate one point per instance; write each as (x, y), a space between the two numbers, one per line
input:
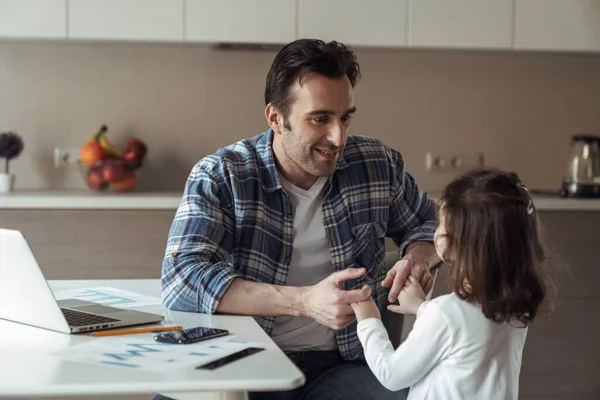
(289, 226)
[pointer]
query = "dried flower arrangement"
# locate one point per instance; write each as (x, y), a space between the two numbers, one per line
(11, 146)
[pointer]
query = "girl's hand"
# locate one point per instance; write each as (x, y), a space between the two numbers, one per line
(365, 309)
(410, 298)
(398, 275)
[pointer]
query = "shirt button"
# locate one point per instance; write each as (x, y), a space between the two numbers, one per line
(290, 216)
(174, 254)
(288, 260)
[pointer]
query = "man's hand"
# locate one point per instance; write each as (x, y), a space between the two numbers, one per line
(411, 297)
(366, 309)
(397, 275)
(329, 305)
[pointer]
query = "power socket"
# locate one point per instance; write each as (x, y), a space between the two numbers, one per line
(65, 157)
(453, 162)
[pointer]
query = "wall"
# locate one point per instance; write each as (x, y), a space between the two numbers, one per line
(520, 109)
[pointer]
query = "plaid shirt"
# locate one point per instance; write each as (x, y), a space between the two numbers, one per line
(235, 220)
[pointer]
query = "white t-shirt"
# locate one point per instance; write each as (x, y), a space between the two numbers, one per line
(310, 264)
(452, 352)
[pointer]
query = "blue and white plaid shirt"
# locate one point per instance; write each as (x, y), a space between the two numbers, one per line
(235, 220)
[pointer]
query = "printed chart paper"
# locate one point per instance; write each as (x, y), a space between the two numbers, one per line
(142, 352)
(108, 296)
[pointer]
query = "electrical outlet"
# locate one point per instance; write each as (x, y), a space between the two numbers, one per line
(453, 162)
(65, 157)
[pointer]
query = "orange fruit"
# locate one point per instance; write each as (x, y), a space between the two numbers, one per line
(91, 153)
(126, 183)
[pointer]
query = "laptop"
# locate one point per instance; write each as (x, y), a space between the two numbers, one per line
(25, 296)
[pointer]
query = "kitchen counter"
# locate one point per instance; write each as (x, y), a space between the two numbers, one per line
(85, 199)
(555, 203)
(166, 200)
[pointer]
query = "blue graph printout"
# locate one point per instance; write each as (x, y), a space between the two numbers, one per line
(142, 352)
(108, 296)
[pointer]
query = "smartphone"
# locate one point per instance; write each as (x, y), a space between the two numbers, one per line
(191, 335)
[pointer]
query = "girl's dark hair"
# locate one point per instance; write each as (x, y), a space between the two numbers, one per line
(303, 57)
(494, 251)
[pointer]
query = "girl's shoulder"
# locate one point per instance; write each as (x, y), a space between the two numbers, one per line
(453, 307)
(446, 300)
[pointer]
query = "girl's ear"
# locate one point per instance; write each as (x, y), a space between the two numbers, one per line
(440, 242)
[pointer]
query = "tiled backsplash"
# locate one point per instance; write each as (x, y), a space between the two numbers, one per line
(519, 109)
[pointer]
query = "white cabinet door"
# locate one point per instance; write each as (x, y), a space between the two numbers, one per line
(240, 21)
(461, 23)
(354, 22)
(33, 18)
(156, 20)
(558, 25)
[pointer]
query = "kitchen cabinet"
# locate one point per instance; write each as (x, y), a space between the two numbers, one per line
(542, 25)
(558, 25)
(142, 20)
(461, 23)
(94, 244)
(354, 22)
(33, 19)
(240, 21)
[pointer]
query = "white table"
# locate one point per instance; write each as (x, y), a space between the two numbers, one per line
(29, 367)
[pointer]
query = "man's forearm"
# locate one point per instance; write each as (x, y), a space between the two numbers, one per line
(423, 252)
(262, 299)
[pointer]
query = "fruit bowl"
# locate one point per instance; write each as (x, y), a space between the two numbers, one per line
(107, 175)
(105, 166)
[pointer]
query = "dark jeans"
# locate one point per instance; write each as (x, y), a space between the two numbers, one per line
(328, 377)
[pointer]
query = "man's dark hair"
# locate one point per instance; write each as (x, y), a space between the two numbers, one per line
(494, 248)
(302, 58)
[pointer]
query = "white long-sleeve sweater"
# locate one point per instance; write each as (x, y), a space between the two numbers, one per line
(452, 352)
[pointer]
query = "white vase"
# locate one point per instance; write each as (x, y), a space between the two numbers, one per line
(7, 182)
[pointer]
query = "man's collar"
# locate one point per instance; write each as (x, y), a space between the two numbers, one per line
(268, 172)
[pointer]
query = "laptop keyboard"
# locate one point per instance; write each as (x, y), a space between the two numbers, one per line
(80, 318)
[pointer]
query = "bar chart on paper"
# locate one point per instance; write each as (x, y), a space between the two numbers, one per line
(108, 296)
(141, 352)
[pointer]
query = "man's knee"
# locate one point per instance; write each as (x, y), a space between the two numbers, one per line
(348, 382)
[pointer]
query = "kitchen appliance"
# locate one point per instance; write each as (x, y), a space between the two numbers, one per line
(582, 178)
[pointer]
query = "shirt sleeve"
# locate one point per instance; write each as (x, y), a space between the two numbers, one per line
(412, 212)
(196, 270)
(426, 345)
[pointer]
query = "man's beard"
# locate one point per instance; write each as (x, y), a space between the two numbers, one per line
(309, 163)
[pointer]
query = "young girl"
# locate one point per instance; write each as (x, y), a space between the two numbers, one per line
(468, 344)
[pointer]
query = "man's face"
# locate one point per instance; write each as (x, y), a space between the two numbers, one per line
(315, 131)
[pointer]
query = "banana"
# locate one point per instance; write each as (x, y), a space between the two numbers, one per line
(110, 149)
(94, 138)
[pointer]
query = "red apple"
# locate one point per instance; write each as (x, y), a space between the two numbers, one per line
(130, 160)
(138, 147)
(95, 180)
(112, 171)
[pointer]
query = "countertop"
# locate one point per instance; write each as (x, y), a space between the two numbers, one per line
(87, 199)
(169, 200)
(556, 203)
